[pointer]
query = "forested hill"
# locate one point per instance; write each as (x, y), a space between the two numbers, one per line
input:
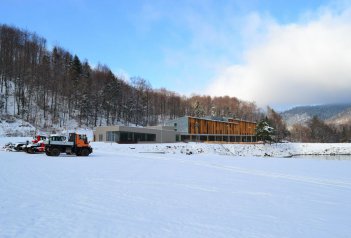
(329, 113)
(49, 87)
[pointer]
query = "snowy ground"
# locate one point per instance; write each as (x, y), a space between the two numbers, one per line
(256, 150)
(160, 191)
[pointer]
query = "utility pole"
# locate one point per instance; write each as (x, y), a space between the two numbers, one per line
(161, 134)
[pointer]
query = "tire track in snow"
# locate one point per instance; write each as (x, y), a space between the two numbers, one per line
(305, 179)
(297, 178)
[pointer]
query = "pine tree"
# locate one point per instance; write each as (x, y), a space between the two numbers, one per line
(264, 131)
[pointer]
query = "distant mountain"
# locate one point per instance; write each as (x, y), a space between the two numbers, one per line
(343, 117)
(331, 113)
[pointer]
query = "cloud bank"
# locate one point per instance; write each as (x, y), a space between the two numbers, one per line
(303, 63)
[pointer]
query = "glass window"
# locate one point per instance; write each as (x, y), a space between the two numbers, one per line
(150, 137)
(113, 136)
(128, 137)
(108, 136)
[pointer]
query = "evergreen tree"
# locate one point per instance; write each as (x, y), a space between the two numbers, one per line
(264, 131)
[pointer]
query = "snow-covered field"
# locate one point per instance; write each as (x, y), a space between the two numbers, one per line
(165, 191)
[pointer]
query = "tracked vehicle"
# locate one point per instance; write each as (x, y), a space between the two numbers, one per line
(37, 145)
(76, 144)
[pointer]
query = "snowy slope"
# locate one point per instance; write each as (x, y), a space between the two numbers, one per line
(332, 113)
(15, 127)
(121, 191)
(343, 118)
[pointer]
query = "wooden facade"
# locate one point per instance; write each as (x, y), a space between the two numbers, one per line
(213, 129)
(200, 126)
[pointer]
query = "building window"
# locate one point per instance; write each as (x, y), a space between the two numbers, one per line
(133, 137)
(112, 136)
(101, 137)
(177, 138)
(109, 136)
(150, 137)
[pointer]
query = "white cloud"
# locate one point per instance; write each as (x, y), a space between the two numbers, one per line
(304, 63)
(122, 74)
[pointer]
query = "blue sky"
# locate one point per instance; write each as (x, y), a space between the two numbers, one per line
(193, 46)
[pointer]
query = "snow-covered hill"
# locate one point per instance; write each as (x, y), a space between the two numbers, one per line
(342, 118)
(162, 191)
(334, 113)
(15, 127)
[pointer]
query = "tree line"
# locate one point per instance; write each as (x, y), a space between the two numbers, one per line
(49, 87)
(315, 130)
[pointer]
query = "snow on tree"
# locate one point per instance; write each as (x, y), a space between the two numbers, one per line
(264, 131)
(198, 110)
